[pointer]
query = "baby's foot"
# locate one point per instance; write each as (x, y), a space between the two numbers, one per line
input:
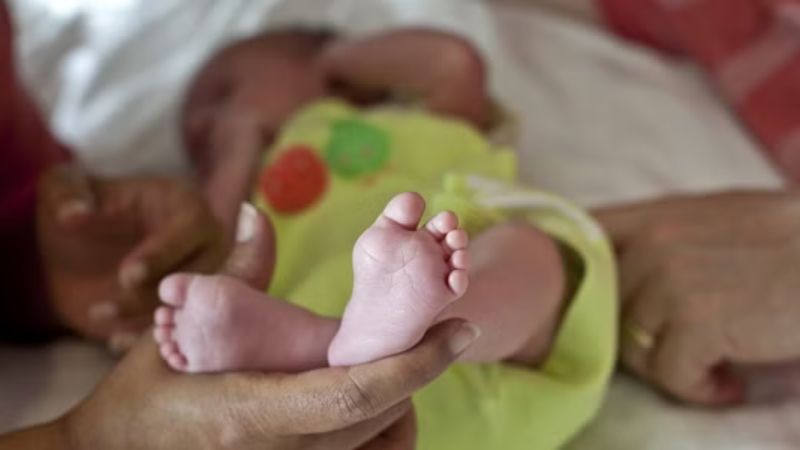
(404, 277)
(217, 323)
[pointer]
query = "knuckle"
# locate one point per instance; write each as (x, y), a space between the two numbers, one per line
(420, 369)
(353, 402)
(236, 425)
(235, 429)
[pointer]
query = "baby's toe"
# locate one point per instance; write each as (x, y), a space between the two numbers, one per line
(171, 353)
(172, 290)
(178, 362)
(405, 210)
(164, 316)
(441, 224)
(458, 282)
(456, 240)
(163, 333)
(168, 348)
(460, 260)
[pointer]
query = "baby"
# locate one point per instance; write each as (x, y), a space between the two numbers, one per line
(537, 280)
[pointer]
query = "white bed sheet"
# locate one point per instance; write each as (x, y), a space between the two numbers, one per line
(603, 122)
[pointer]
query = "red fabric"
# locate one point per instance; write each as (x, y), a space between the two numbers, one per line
(26, 149)
(750, 50)
(641, 21)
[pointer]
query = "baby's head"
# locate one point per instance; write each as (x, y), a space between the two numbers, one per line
(251, 87)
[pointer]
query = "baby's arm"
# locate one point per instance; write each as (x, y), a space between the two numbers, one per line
(443, 70)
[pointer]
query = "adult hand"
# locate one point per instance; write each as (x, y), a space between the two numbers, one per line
(106, 244)
(706, 282)
(144, 405)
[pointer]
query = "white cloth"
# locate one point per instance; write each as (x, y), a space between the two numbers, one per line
(602, 122)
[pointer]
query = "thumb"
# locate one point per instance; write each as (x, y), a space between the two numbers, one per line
(252, 259)
(337, 398)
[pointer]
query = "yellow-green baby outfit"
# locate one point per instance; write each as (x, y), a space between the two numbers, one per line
(327, 178)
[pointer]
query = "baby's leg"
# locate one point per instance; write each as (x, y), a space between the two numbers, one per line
(517, 286)
(217, 323)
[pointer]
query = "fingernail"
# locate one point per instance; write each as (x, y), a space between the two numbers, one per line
(463, 339)
(246, 228)
(122, 342)
(133, 274)
(72, 209)
(103, 311)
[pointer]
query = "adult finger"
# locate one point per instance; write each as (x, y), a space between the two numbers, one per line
(685, 364)
(643, 322)
(170, 243)
(121, 323)
(388, 381)
(400, 436)
(65, 191)
(359, 435)
(332, 399)
(641, 261)
(252, 259)
(625, 222)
